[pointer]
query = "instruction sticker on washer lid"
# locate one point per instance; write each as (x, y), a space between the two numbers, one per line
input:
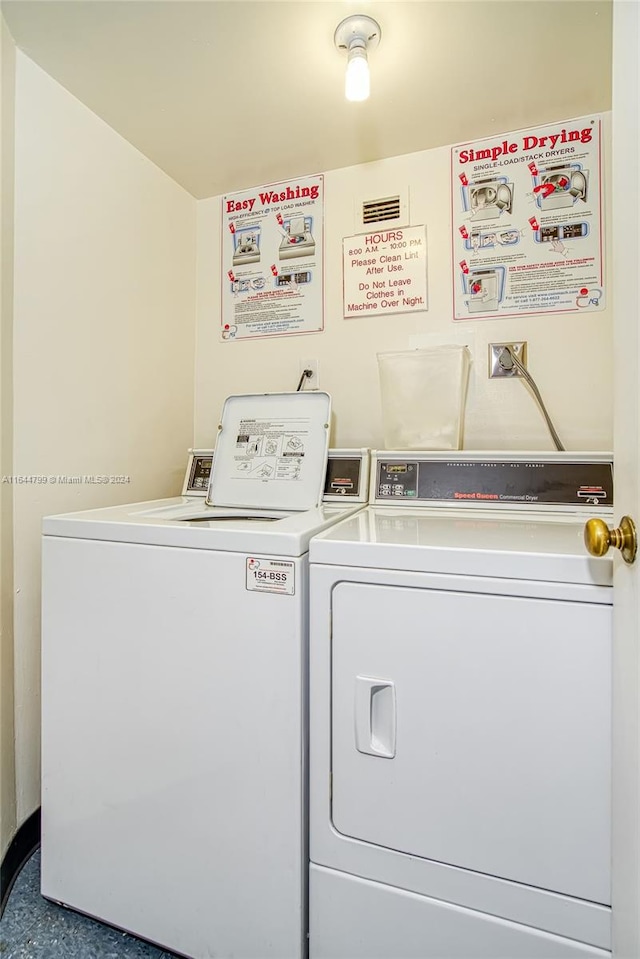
(271, 576)
(271, 449)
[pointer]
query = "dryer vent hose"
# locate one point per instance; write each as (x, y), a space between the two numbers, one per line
(508, 360)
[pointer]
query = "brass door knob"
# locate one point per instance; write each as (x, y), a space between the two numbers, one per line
(598, 538)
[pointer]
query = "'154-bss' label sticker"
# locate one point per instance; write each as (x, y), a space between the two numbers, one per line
(270, 576)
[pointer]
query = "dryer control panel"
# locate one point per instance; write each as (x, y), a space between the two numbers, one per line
(562, 481)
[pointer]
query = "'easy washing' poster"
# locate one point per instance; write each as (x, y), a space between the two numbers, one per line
(527, 222)
(272, 260)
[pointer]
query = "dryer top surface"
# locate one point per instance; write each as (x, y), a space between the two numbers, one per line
(465, 542)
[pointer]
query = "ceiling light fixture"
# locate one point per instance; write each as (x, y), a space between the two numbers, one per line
(357, 35)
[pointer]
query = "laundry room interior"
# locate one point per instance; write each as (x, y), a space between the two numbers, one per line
(127, 126)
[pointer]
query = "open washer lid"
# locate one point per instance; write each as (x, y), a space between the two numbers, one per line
(271, 451)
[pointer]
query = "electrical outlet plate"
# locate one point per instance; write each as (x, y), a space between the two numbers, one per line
(311, 382)
(495, 349)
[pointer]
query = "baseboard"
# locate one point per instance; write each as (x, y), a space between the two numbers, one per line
(23, 844)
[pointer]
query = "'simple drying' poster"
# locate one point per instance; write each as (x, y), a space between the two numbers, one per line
(527, 222)
(272, 260)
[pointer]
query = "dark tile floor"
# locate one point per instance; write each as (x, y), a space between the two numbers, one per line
(32, 928)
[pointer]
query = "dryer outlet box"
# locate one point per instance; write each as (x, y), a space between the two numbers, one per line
(519, 350)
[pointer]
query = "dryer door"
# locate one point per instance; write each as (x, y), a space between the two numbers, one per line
(474, 729)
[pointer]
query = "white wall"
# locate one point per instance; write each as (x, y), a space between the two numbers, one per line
(569, 357)
(7, 751)
(103, 342)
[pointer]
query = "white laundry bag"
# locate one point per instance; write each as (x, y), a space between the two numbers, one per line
(423, 396)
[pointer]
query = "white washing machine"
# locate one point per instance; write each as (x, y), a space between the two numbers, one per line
(174, 702)
(460, 713)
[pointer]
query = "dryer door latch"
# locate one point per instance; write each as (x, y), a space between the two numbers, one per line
(375, 717)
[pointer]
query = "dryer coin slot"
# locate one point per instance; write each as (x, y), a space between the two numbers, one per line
(592, 494)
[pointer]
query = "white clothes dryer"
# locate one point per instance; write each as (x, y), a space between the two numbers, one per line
(174, 699)
(460, 713)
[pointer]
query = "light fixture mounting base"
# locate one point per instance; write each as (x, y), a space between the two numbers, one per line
(357, 27)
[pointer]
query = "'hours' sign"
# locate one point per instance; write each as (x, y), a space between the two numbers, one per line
(385, 272)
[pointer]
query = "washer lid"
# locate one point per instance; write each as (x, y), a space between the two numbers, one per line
(271, 451)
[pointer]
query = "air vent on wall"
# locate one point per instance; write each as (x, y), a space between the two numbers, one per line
(390, 210)
(381, 210)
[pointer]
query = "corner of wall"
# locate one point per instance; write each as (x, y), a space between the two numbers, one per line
(103, 346)
(8, 823)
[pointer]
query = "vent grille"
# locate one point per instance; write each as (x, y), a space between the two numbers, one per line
(378, 211)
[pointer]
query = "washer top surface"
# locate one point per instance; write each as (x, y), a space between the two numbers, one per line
(505, 544)
(180, 521)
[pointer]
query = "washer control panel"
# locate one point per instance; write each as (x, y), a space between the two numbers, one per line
(347, 476)
(196, 480)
